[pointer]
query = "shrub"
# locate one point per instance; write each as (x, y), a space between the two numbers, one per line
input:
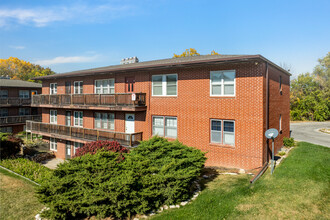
(155, 173)
(93, 147)
(288, 142)
(42, 156)
(9, 145)
(281, 153)
(27, 168)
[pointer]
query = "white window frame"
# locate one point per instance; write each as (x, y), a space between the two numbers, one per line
(108, 120)
(109, 87)
(53, 116)
(80, 120)
(4, 112)
(222, 132)
(53, 144)
(164, 85)
(53, 88)
(79, 87)
(24, 94)
(164, 125)
(77, 145)
(6, 129)
(23, 111)
(3, 94)
(222, 83)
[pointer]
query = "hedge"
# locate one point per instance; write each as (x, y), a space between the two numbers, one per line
(155, 173)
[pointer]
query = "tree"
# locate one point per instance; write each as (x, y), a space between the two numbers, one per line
(310, 92)
(23, 70)
(192, 52)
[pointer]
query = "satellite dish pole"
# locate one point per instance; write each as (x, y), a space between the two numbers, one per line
(272, 134)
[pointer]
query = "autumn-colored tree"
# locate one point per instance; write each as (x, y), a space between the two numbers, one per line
(23, 70)
(214, 53)
(192, 52)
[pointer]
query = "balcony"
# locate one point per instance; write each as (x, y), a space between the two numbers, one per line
(15, 101)
(114, 102)
(18, 119)
(82, 134)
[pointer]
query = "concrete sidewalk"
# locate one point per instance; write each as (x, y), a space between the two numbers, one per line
(52, 163)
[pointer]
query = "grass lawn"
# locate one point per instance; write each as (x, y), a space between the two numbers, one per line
(17, 198)
(298, 189)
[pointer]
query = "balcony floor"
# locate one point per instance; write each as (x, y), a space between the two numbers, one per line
(109, 108)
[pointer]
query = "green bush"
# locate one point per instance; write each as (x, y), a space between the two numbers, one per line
(27, 168)
(9, 145)
(155, 173)
(288, 142)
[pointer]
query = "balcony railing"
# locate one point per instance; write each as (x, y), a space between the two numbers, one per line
(18, 119)
(85, 134)
(103, 100)
(15, 101)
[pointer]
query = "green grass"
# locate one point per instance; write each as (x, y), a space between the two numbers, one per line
(17, 198)
(298, 189)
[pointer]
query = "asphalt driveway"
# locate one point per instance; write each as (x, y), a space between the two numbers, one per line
(308, 131)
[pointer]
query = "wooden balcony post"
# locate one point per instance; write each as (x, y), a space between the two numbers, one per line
(83, 133)
(71, 98)
(99, 99)
(70, 129)
(97, 135)
(130, 140)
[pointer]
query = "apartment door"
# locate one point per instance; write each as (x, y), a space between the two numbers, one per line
(129, 123)
(68, 118)
(129, 84)
(68, 150)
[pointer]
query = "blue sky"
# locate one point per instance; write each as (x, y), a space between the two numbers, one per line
(72, 35)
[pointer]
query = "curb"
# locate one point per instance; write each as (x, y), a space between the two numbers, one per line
(19, 175)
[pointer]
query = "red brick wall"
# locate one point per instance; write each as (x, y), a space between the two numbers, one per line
(194, 108)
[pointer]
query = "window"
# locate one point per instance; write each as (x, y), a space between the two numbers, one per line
(223, 132)
(3, 112)
(104, 120)
(53, 116)
(76, 146)
(222, 83)
(6, 129)
(164, 85)
(24, 94)
(3, 94)
(78, 119)
(68, 87)
(53, 144)
(280, 124)
(105, 86)
(78, 87)
(164, 126)
(24, 111)
(53, 88)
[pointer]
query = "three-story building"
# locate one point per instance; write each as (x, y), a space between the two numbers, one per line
(15, 104)
(221, 104)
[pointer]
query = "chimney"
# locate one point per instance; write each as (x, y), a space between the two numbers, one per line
(129, 60)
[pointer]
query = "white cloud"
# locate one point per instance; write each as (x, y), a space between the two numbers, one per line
(17, 47)
(43, 16)
(73, 59)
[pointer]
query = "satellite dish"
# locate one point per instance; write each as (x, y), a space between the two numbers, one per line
(271, 133)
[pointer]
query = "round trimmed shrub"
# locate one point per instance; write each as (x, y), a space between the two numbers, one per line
(93, 147)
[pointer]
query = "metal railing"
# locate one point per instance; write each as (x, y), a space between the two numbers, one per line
(84, 133)
(18, 119)
(15, 101)
(118, 99)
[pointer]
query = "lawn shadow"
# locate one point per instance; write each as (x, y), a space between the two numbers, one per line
(208, 175)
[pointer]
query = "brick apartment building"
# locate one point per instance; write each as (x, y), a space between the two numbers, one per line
(15, 104)
(221, 104)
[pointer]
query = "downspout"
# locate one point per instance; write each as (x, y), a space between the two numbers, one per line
(267, 109)
(265, 166)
